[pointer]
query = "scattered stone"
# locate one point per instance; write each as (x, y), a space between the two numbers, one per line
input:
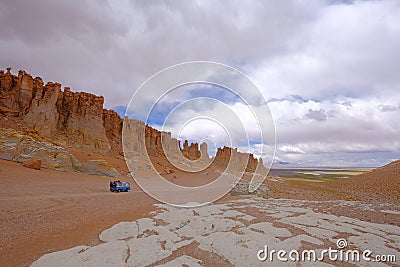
(168, 171)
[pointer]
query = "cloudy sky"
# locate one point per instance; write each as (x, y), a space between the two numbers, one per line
(329, 70)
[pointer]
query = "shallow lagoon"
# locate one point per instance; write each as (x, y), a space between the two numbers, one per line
(316, 174)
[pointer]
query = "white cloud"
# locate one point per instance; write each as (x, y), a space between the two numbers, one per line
(291, 149)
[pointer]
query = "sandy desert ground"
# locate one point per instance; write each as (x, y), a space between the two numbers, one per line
(47, 211)
(44, 211)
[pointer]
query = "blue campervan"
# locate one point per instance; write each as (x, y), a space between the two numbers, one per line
(118, 186)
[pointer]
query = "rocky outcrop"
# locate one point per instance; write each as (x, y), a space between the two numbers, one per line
(28, 147)
(76, 117)
(232, 160)
(142, 139)
(133, 138)
(79, 119)
(191, 151)
(242, 188)
(112, 123)
(152, 138)
(22, 146)
(98, 167)
(42, 114)
(16, 92)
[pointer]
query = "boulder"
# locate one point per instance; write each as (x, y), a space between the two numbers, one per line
(35, 164)
(98, 167)
(242, 188)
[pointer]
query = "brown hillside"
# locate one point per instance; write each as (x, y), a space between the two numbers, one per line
(376, 186)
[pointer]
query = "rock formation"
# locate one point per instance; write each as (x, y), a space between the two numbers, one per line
(141, 140)
(42, 113)
(112, 123)
(233, 160)
(22, 146)
(191, 151)
(242, 188)
(29, 148)
(79, 119)
(16, 92)
(161, 143)
(75, 117)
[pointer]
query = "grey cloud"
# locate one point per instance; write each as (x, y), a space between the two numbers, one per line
(346, 103)
(318, 115)
(340, 159)
(338, 131)
(110, 48)
(388, 108)
(44, 21)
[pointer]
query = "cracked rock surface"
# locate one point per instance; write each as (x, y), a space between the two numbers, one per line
(231, 234)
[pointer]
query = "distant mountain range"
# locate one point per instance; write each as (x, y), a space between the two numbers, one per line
(290, 165)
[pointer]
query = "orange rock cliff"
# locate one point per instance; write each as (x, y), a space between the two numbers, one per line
(78, 118)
